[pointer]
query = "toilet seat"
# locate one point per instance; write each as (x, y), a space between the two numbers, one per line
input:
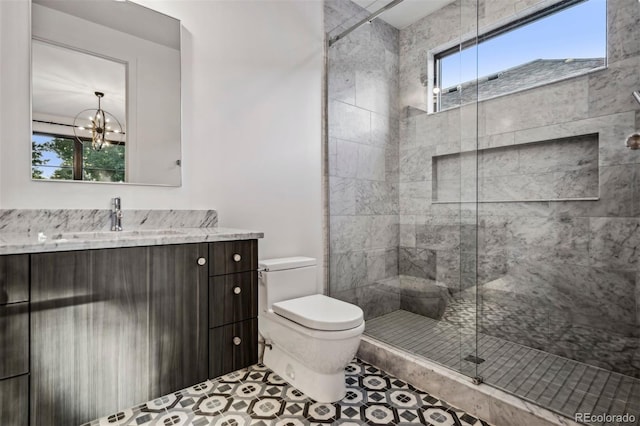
(320, 312)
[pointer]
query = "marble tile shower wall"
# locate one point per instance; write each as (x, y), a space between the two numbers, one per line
(576, 262)
(363, 119)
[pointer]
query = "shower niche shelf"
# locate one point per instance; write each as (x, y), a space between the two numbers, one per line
(564, 169)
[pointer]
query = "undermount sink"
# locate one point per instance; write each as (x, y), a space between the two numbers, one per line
(114, 234)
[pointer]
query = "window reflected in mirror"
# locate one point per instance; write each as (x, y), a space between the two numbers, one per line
(62, 157)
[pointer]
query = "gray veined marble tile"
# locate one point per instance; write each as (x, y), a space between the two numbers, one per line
(623, 40)
(610, 89)
(538, 107)
(432, 129)
(407, 231)
(346, 159)
(616, 190)
(417, 262)
(407, 132)
(376, 261)
(616, 195)
(448, 190)
(391, 262)
(576, 184)
(86, 220)
(613, 131)
(637, 357)
(614, 243)
(371, 163)
(635, 211)
(553, 240)
(348, 270)
(341, 13)
(384, 129)
(342, 196)
(348, 233)
(348, 122)
(373, 91)
(492, 234)
(438, 236)
(470, 117)
(341, 82)
(448, 167)
(333, 157)
(415, 164)
(373, 197)
(562, 155)
(498, 162)
(415, 197)
(516, 188)
(387, 35)
(585, 296)
(515, 209)
(384, 232)
(392, 163)
(448, 268)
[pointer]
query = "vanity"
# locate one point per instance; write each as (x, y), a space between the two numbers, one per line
(94, 322)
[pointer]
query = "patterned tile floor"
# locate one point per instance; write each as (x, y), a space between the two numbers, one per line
(257, 396)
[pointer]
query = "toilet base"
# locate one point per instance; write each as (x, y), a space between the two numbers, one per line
(315, 385)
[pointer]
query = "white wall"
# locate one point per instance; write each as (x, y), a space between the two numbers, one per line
(251, 81)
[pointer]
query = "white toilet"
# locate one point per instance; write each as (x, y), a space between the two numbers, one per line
(313, 337)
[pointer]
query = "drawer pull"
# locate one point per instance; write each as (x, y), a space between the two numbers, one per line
(237, 341)
(237, 257)
(202, 261)
(237, 290)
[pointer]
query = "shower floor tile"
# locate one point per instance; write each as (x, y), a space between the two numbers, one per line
(258, 396)
(561, 384)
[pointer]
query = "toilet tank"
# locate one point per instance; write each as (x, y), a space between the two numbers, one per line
(286, 278)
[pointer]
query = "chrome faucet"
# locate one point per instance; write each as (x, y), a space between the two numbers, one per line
(116, 214)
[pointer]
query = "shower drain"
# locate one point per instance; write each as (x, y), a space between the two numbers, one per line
(474, 359)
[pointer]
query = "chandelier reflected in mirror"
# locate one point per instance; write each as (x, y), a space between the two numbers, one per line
(98, 125)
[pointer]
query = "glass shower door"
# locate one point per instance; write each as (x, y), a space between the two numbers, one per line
(559, 211)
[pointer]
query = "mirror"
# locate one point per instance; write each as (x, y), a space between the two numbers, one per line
(105, 93)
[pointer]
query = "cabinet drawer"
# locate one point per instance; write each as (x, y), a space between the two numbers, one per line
(14, 339)
(14, 278)
(14, 401)
(232, 347)
(232, 298)
(229, 257)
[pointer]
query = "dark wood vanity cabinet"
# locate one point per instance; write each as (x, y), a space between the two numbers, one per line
(14, 404)
(86, 333)
(14, 339)
(233, 306)
(115, 327)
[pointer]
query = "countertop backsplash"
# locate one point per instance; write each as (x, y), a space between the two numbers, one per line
(91, 220)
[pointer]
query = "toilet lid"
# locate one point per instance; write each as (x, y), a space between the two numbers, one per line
(320, 312)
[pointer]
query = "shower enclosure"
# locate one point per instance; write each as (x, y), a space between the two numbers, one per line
(483, 208)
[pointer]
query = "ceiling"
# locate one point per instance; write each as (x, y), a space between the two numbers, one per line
(64, 82)
(404, 13)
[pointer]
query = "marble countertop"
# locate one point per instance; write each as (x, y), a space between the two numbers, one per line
(28, 242)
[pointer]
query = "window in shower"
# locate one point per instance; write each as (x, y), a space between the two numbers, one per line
(560, 41)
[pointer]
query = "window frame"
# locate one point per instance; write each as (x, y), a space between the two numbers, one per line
(439, 54)
(77, 168)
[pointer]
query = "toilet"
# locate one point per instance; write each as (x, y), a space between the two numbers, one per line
(310, 338)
